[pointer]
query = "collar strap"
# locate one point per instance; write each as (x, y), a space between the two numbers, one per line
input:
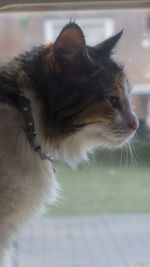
(25, 107)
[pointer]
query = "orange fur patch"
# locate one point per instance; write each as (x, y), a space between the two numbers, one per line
(48, 58)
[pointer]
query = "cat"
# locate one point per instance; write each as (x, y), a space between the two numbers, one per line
(62, 99)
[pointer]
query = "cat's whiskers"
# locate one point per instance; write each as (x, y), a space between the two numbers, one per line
(133, 155)
(126, 155)
(111, 156)
(134, 151)
(132, 158)
(120, 162)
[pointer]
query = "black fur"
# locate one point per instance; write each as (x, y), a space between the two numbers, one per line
(88, 74)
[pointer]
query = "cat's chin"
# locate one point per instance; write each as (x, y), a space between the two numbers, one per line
(75, 148)
(117, 143)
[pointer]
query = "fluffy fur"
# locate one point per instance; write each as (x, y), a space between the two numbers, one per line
(79, 98)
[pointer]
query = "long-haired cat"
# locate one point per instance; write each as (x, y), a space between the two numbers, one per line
(63, 99)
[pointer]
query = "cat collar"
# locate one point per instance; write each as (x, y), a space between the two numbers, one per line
(25, 107)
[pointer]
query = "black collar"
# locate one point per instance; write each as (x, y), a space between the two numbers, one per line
(25, 108)
(23, 104)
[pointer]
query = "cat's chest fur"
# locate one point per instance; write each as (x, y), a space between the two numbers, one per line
(26, 182)
(30, 180)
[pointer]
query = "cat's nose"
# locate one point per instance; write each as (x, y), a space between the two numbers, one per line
(134, 122)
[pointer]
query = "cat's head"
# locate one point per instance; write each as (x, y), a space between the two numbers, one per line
(90, 104)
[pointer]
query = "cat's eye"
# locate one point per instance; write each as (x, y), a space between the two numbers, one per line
(114, 100)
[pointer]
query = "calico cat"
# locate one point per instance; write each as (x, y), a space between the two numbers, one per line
(63, 99)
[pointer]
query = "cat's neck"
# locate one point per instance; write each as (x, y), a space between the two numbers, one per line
(25, 74)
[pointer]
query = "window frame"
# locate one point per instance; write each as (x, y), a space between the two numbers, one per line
(55, 5)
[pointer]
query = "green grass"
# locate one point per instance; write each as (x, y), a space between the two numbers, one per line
(98, 189)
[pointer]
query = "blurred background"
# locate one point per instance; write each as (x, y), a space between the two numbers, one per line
(113, 189)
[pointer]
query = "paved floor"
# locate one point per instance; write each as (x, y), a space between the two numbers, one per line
(91, 241)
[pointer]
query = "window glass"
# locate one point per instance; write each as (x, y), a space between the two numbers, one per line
(102, 218)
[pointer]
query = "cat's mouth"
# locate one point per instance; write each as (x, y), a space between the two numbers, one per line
(116, 140)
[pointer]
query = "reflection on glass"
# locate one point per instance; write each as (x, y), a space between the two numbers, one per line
(114, 182)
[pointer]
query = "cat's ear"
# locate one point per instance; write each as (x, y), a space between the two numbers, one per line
(70, 45)
(106, 47)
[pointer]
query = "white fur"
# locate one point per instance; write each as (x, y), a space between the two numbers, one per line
(76, 147)
(26, 182)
